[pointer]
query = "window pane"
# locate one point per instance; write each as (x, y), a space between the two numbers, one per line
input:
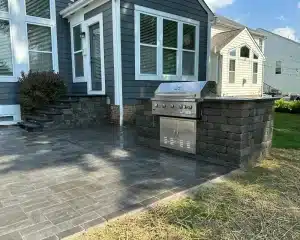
(170, 33)
(255, 78)
(278, 67)
(231, 77)
(188, 63)
(148, 29)
(148, 60)
(255, 67)
(4, 5)
(233, 53)
(255, 56)
(232, 65)
(6, 67)
(38, 8)
(77, 38)
(189, 36)
(170, 62)
(40, 61)
(39, 38)
(79, 64)
(245, 52)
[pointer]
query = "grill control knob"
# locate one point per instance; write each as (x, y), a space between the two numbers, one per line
(164, 105)
(185, 107)
(180, 106)
(190, 107)
(172, 105)
(156, 105)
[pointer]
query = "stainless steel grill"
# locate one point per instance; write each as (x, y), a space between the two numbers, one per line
(178, 104)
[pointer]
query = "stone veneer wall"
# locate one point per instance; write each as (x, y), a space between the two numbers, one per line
(87, 112)
(236, 132)
(231, 132)
(129, 116)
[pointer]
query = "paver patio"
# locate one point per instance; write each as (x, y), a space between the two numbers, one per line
(54, 184)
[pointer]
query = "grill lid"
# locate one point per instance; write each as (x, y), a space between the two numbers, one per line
(195, 90)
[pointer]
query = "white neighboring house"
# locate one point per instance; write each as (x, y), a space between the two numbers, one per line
(237, 57)
(282, 66)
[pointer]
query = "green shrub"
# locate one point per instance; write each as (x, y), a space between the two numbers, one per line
(287, 106)
(37, 89)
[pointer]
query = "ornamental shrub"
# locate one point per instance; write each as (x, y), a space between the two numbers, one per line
(38, 89)
(287, 106)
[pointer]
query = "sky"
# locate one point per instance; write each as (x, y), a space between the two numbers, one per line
(278, 16)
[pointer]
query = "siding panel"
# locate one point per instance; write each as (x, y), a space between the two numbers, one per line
(189, 8)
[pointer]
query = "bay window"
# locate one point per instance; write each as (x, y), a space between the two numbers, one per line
(167, 46)
(6, 65)
(39, 47)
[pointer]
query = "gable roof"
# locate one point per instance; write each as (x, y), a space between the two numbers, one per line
(233, 24)
(266, 32)
(220, 40)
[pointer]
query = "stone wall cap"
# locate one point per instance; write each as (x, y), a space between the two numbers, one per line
(240, 99)
(143, 98)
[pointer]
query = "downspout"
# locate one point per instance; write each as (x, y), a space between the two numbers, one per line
(116, 12)
(210, 22)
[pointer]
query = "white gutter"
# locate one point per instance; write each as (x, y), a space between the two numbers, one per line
(74, 7)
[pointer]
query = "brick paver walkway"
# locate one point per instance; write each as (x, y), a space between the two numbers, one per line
(56, 184)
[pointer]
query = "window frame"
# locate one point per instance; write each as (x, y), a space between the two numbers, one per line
(9, 78)
(4, 12)
(52, 11)
(53, 52)
(160, 76)
(235, 59)
(240, 55)
(253, 73)
(276, 68)
(82, 78)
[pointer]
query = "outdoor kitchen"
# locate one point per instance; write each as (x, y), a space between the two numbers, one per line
(189, 119)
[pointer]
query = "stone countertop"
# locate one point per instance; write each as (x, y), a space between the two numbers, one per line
(240, 99)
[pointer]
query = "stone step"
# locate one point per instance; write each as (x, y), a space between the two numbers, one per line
(63, 106)
(49, 112)
(67, 101)
(30, 126)
(39, 119)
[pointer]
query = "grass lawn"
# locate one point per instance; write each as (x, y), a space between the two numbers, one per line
(263, 203)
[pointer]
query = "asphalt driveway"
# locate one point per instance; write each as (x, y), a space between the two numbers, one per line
(59, 183)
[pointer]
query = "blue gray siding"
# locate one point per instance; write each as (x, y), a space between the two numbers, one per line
(106, 9)
(9, 93)
(64, 44)
(187, 8)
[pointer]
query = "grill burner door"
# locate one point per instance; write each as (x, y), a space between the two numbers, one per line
(178, 134)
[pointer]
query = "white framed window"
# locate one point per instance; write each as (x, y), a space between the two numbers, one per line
(39, 48)
(38, 8)
(166, 46)
(278, 69)
(245, 52)
(260, 43)
(232, 67)
(4, 6)
(6, 54)
(255, 72)
(77, 54)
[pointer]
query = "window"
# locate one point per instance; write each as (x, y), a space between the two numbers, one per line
(166, 46)
(255, 72)
(232, 53)
(232, 70)
(38, 8)
(6, 66)
(4, 5)
(260, 43)
(278, 69)
(245, 52)
(77, 52)
(255, 56)
(40, 48)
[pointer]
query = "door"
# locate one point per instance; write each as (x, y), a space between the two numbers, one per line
(95, 56)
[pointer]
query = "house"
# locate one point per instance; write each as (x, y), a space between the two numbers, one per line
(282, 65)
(237, 57)
(119, 49)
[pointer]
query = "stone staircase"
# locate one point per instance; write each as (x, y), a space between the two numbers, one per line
(69, 112)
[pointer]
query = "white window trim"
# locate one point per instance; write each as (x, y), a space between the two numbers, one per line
(180, 20)
(87, 66)
(13, 76)
(52, 13)
(255, 61)
(53, 46)
(82, 78)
